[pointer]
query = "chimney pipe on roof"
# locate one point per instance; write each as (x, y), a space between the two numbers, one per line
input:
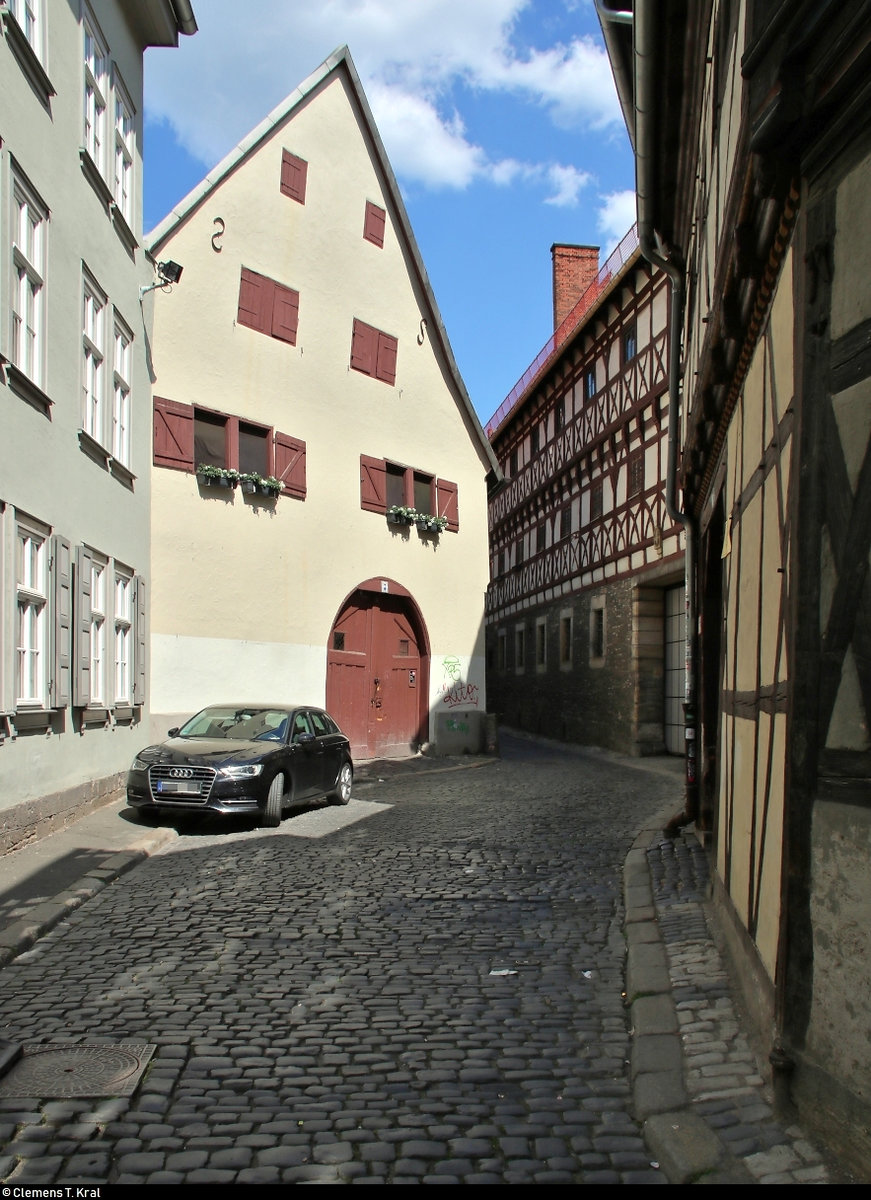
(574, 269)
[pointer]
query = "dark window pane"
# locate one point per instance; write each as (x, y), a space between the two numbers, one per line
(395, 486)
(596, 498)
(210, 441)
(423, 493)
(252, 449)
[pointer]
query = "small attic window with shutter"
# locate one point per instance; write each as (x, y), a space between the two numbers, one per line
(293, 176)
(374, 352)
(268, 306)
(373, 224)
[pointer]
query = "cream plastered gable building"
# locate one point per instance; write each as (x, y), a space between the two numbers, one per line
(303, 344)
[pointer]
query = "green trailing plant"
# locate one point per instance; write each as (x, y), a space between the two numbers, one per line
(431, 524)
(210, 471)
(253, 481)
(401, 514)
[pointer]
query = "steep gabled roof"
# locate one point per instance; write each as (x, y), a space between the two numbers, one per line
(339, 61)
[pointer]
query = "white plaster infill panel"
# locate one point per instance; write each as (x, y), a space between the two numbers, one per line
(190, 672)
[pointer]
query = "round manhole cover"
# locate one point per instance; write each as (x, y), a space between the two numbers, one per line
(54, 1070)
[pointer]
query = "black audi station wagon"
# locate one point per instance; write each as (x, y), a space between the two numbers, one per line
(244, 758)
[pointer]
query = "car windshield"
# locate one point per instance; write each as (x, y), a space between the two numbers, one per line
(238, 724)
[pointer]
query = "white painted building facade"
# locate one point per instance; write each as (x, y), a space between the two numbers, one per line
(304, 342)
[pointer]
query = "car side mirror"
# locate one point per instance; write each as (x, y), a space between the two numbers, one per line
(174, 731)
(304, 739)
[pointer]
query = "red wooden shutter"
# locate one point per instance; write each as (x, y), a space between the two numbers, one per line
(293, 176)
(290, 465)
(448, 503)
(285, 314)
(373, 484)
(373, 224)
(385, 368)
(255, 301)
(363, 347)
(173, 434)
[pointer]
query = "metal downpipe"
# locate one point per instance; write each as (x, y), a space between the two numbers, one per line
(644, 30)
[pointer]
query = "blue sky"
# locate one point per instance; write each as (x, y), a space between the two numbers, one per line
(499, 117)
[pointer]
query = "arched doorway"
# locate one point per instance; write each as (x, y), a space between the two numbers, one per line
(378, 671)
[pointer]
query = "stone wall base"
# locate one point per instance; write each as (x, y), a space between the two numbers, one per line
(34, 819)
(826, 1108)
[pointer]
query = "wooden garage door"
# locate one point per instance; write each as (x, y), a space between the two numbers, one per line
(374, 682)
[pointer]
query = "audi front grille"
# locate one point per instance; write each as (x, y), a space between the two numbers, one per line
(180, 785)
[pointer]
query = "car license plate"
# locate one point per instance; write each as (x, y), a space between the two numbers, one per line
(179, 787)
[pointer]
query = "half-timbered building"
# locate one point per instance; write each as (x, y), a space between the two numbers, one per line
(751, 125)
(585, 606)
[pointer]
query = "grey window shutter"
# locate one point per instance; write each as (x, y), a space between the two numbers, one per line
(61, 570)
(140, 642)
(7, 609)
(82, 641)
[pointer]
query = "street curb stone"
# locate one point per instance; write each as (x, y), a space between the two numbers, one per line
(20, 935)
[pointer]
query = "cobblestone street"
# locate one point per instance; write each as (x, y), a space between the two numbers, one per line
(425, 986)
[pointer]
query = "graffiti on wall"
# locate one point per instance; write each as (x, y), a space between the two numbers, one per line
(455, 691)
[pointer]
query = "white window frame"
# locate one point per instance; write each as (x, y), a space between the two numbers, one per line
(32, 615)
(27, 307)
(100, 576)
(124, 612)
(94, 309)
(30, 16)
(121, 404)
(96, 92)
(124, 150)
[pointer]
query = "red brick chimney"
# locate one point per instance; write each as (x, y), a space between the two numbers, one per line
(574, 269)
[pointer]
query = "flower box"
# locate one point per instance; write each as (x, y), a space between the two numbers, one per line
(401, 516)
(254, 484)
(217, 478)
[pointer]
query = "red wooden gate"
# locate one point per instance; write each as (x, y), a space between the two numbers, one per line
(377, 673)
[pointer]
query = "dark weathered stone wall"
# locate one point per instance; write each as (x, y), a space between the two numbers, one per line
(594, 701)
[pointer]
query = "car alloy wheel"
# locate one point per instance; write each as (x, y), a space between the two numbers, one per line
(342, 792)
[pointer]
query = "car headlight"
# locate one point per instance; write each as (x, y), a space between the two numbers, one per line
(138, 764)
(241, 772)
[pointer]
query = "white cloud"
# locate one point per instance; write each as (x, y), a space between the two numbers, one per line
(617, 214)
(414, 59)
(567, 184)
(431, 149)
(573, 82)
